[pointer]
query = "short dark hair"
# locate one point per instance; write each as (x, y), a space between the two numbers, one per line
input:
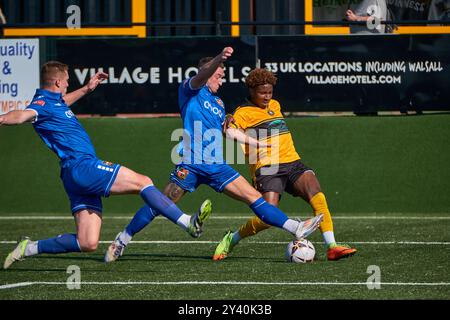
(205, 60)
(51, 69)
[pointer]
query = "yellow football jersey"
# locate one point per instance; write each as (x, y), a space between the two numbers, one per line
(265, 124)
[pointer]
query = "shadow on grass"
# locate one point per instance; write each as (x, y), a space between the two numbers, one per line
(127, 259)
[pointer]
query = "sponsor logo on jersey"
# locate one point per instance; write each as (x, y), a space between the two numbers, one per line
(69, 114)
(182, 173)
(213, 109)
(39, 102)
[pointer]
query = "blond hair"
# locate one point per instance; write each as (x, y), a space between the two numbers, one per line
(51, 70)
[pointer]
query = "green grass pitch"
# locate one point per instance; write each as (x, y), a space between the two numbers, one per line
(386, 180)
(164, 263)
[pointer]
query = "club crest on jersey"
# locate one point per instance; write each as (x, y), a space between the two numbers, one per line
(107, 163)
(182, 173)
(39, 102)
(219, 102)
(270, 112)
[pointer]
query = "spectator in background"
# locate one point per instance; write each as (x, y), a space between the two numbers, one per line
(409, 10)
(439, 10)
(329, 10)
(365, 10)
(2, 17)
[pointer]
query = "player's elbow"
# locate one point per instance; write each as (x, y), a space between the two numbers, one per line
(142, 181)
(21, 120)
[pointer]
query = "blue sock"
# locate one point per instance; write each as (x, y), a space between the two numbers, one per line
(143, 217)
(159, 202)
(269, 213)
(60, 244)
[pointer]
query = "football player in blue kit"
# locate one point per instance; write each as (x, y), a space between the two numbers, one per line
(85, 177)
(204, 122)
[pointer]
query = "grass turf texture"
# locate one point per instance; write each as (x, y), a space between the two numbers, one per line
(391, 166)
(257, 259)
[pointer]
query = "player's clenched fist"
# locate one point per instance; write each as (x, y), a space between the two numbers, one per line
(226, 53)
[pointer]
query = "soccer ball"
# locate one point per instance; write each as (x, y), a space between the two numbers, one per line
(300, 251)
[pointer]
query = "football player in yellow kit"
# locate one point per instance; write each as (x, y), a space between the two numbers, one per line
(277, 168)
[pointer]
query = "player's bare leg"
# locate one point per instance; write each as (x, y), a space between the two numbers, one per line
(174, 192)
(307, 187)
(129, 181)
(89, 223)
(241, 190)
(250, 228)
(272, 197)
(236, 190)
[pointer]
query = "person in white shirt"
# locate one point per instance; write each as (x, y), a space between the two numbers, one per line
(370, 11)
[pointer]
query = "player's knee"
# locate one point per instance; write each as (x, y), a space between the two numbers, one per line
(313, 192)
(311, 185)
(144, 181)
(89, 245)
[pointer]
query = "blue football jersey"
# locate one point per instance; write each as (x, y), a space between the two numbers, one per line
(203, 114)
(59, 128)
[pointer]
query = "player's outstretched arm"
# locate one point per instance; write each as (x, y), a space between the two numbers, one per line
(17, 117)
(351, 16)
(74, 96)
(240, 136)
(208, 69)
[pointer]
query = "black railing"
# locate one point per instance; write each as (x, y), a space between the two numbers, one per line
(219, 24)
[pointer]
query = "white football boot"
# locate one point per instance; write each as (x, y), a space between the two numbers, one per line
(17, 254)
(305, 228)
(115, 250)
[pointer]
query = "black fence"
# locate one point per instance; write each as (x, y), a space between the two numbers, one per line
(214, 17)
(364, 74)
(144, 74)
(53, 12)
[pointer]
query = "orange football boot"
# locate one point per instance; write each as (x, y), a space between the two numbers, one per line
(336, 251)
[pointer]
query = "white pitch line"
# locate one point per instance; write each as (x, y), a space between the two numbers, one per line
(271, 242)
(240, 283)
(231, 217)
(16, 285)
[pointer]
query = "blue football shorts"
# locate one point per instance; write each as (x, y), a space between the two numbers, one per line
(190, 176)
(87, 181)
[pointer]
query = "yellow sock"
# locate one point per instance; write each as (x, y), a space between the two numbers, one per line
(319, 205)
(252, 227)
